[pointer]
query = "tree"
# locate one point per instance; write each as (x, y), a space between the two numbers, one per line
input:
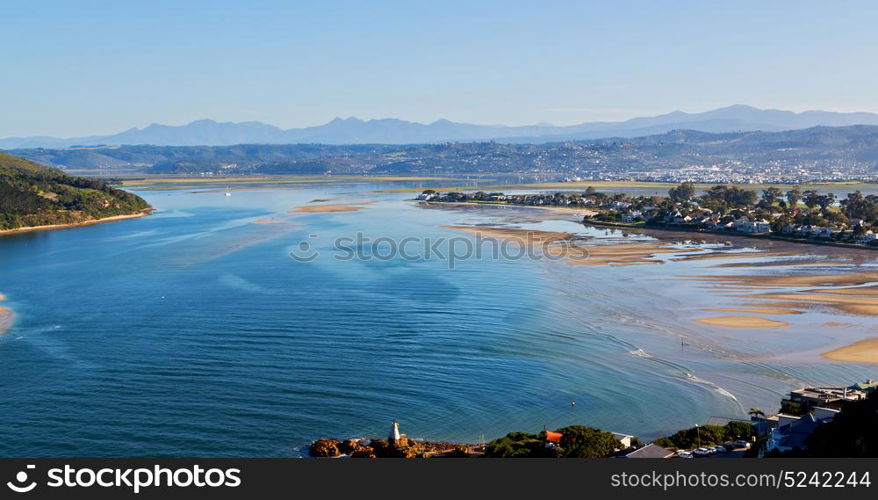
(578, 441)
(812, 198)
(771, 195)
(825, 200)
(684, 192)
(518, 445)
(793, 197)
(755, 413)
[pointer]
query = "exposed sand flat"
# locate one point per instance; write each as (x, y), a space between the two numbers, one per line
(776, 305)
(864, 351)
(838, 324)
(5, 319)
(819, 297)
(330, 208)
(732, 255)
(859, 309)
(742, 322)
(625, 254)
(782, 263)
(323, 200)
(754, 310)
(516, 235)
(859, 301)
(862, 290)
(265, 221)
(2, 297)
(855, 278)
(568, 210)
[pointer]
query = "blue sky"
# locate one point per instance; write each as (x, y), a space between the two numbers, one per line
(87, 67)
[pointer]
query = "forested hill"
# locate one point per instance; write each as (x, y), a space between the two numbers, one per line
(32, 195)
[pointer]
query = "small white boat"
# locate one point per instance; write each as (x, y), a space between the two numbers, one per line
(228, 193)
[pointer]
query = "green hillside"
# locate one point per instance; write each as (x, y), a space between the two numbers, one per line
(33, 195)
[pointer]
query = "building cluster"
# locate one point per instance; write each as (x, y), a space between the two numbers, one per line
(722, 209)
(804, 410)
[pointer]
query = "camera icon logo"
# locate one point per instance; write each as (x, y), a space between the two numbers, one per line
(21, 478)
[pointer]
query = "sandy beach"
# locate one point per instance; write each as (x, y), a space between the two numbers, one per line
(864, 351)
(78, 224)
(742, 322)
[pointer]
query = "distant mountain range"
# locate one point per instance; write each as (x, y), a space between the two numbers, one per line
(392, 131)
(817, 153)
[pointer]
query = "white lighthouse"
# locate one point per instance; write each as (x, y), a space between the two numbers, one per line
(396, 439)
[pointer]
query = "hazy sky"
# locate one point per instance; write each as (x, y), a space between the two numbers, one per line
(86, 67)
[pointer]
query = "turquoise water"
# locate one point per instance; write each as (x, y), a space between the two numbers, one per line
(193, 333)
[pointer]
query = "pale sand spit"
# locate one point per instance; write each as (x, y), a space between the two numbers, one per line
(782, 263)
(742, 322)
(330, 208)
(858, 301)
(754, 310)
(581, 254)
(516, 235)
(864, 351)
(732, 255)
(850, 279)
(625, 254)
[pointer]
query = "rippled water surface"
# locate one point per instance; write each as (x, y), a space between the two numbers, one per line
(193, 333)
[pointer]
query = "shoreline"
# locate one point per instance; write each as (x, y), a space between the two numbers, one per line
(763, 237)
(660, 227)
(50, 227)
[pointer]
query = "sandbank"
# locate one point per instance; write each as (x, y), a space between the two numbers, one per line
(742, 322)
(329, 208)
(864, 351)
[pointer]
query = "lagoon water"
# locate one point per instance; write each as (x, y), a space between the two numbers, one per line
(193, 332)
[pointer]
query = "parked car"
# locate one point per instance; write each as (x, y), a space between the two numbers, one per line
(684, 454)
(719, 449)
(742, 444)
(701, 452)
(729, 446)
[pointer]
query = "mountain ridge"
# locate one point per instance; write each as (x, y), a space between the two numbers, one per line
(352, 130)
(817, 153)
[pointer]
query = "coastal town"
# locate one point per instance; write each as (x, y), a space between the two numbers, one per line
(811, 422)
(794, 214)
